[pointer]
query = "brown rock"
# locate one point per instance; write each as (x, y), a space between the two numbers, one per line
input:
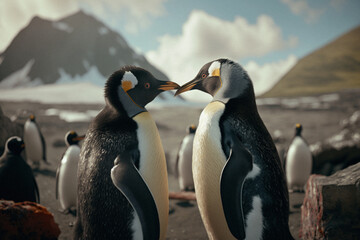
(331, 207)
(26, 220)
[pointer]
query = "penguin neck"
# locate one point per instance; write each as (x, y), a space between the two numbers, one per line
(131, 108)
(244, 104)
(124, 104)
(297, 133)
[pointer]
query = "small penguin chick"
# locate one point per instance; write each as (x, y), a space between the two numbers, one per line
(14, 145)
(72, 137)
(17, 181)
(298, 162)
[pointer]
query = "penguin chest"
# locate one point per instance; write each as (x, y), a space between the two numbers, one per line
(185, 163)
(298, 163)
(34, 148)
(208, 162)
(68, 177)
(152, 166)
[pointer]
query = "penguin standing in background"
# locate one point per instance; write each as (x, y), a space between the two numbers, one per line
(298, 162)
(35, 143)
(239, 181)
(17, 182)
(122, 176)
(183, 164)
(66, 174)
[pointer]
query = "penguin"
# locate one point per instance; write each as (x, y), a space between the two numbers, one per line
(239, 181)
(183, 164)
(17, 182)
(66, 173)
(35, 143)
(298, 164)
(122, 176)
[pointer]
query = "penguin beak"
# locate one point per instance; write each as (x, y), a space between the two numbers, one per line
(168, 86)
(79, 138)
(22, 146)
(188, 86)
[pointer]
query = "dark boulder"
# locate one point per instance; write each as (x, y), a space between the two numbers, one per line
(331, 207)
(339, 151)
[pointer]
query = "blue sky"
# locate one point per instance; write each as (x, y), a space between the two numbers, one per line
(266, 36)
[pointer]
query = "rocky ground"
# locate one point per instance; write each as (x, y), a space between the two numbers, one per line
(184, 218)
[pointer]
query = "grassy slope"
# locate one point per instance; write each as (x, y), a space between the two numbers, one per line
(334, 67)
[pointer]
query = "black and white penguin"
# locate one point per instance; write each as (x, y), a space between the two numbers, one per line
(183, 164)
(122, 176)
(298, 164)
(66, 174)
(35, 143)
(239, 182)
(17, 182)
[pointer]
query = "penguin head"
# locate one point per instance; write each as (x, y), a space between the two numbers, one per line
(132, 88)
(222, 78)
(191, 129)
(32, 117)
(72, 138)
(14, 145)
(298, 129)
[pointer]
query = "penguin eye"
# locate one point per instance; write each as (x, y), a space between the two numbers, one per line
(147, 85)
(204, 75)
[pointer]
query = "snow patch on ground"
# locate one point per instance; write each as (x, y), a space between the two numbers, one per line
(313, 102)
(72, 116)
(67, 93)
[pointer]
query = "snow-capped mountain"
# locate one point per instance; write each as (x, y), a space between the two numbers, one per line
(77, 48)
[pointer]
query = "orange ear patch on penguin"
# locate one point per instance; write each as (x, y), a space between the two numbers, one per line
(129, 81)
(126, 85)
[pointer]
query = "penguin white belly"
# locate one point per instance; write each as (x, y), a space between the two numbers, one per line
(185, 163)
(68, 177)
(208, 162)
(298, 163)
(32, 140)
(153, 166)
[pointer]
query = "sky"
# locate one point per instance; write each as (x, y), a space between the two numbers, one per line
(267, 37)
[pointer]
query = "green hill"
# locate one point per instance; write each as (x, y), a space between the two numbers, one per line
(332, 68)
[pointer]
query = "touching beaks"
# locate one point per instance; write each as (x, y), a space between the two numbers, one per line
(168, 86)
(187, 86)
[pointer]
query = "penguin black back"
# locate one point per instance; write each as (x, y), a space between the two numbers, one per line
(105, 211)
(243, 158)
(17, 181)
(257, 140)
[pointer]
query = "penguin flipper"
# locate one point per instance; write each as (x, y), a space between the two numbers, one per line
(128, 180)
(57, 180)
(43, 144)
(238, 165)
(176, 170)
(37, 194)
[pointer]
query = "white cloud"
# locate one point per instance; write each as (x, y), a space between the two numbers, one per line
(205, 38)
(302, 8)
(136, 13)
(264, 77)
(16, 14)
